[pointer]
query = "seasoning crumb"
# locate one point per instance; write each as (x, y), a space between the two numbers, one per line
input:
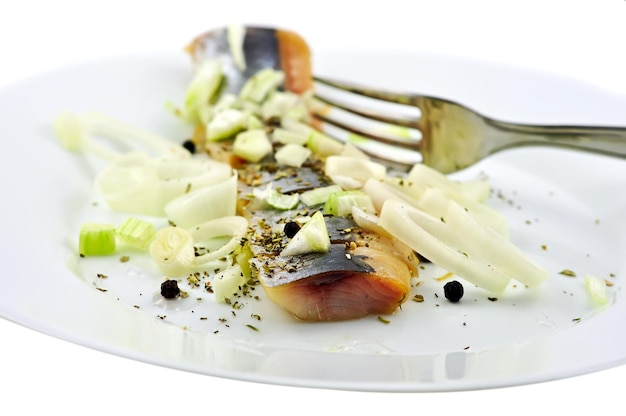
(492, 299)
(466, 348)
(544, 247)
(418, 298)
(383, 320)
(567, 272)
(101, 276)
(124, 259)
(576, 320)
(252, 327)
(444, 277)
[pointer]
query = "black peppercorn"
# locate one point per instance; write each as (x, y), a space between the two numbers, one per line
(291, 228)
(453, 291)
(169, 289)
(190, 145)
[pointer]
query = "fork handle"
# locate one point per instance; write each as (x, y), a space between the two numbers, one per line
(605, 140)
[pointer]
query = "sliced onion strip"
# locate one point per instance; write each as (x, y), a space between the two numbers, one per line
(138, 184)
(233, 226)
(430, 237)
(204, 204)
(478, 240)
(172, 250)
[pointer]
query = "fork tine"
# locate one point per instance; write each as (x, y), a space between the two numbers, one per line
(403, 142)
(379, 94)
(404, 121)
(372, 128)
(397, 157)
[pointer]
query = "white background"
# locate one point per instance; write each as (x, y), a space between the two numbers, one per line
(41, 374)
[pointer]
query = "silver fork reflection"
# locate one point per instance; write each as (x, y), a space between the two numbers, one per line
(450, 136)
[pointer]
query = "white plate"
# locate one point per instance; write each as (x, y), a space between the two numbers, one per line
(565, 209)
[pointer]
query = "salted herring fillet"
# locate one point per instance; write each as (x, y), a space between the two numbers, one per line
(362, 274)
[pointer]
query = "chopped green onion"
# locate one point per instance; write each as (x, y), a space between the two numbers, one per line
(284, 136)
(226, 124)
(311, 238)
(254, 123)
(318, 195)
(136, 232)
(260, 84)
(236, 35)
(296, 126)
(96, 239)
(323, 145)
(228, 283)
(596, 289)
(293, 155)
(319, 143)
(203, 88)
(279, 103)
(252, 145)
(282, 201)
(242, 257)
(340, 204)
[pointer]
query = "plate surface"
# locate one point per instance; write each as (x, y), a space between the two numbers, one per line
(565, 209)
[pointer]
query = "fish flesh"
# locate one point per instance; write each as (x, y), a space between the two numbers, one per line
(363, 273)
(262, 47)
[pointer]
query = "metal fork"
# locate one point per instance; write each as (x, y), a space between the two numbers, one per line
(453, 136)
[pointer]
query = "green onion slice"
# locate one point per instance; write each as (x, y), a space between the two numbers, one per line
(136, 232)
(96, 239)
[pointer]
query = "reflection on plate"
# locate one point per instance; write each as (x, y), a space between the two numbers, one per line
(565, 209)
